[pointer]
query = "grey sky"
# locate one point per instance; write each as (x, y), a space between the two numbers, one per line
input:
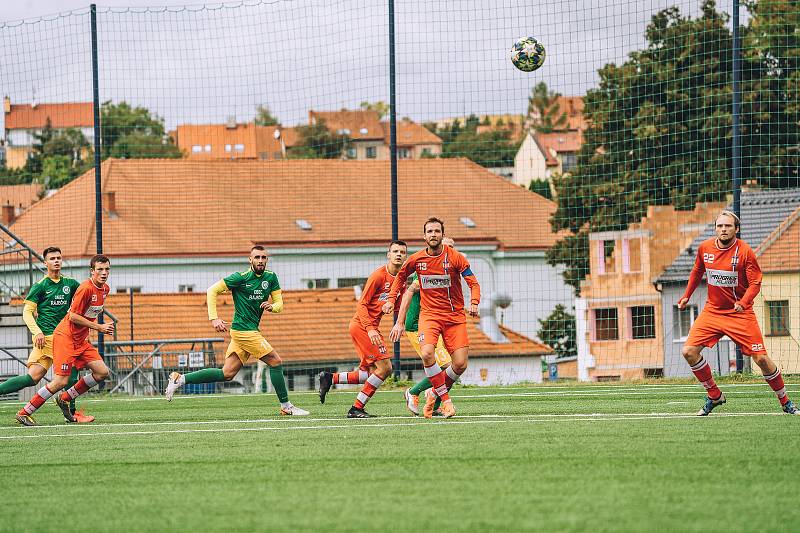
(204, 63)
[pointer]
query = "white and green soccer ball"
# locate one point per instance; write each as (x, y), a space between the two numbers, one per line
(527, 54)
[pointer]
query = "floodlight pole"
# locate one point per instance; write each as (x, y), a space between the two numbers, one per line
(98, 191)
(736, 165)
(393, 161)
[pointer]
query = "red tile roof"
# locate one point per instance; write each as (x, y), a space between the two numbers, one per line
(780, 252)
(66, 115)
(558, 142)
(359, 125)
(20, 195)
(313, 326)
(177, 207)
(217, 136)
(410, 133)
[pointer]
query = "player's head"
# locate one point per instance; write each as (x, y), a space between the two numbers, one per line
(449, 242)
(726, 226)
(99, 269)
(52, 258)
(397, 253)
(432, 232)
(258, 259)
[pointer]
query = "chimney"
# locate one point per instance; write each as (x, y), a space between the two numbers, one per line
(9, 214)
(6, 104)
(230, 123)
(110, 203)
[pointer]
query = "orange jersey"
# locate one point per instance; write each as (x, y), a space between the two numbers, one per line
(732, 273)
(87, 302)
(374, 295)
(440, 276)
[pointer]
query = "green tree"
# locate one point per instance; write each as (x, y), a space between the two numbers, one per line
(558, 332)
(543, 107)
(316, 141)
(541, 187)
(264, 117)
(139, 134)
(489, 149)
(56, 171)
(380, 107)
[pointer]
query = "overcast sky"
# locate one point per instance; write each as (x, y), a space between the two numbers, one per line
(201, 64)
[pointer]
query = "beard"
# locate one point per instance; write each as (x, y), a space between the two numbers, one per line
(259, 269)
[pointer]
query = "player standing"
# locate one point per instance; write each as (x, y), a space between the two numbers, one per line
(408, 321)
(734, 280)
(376, 362)
(440, 269)
(71, 346)
(251, 291)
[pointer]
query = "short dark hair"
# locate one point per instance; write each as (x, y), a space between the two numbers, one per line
(431, 221)
(399, 243)
(99, 258)
(50, 250)
(258, 247)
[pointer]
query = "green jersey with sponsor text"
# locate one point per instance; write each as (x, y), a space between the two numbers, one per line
(249, 291)
(412, 315)
(52, 299)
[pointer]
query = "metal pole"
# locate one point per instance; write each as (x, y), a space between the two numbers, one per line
(98, 191)
(393, 159)
(737, 141)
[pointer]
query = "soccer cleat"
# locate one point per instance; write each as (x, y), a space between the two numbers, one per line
(172, 385)
(64, 406)
(82, 418)
(325, 384)
(447, 409)
(412, 402)
(293, 410)
(710, 405)
(430, 401)
(438, 413)
(25, 419)
(355, 412)
(790, 408)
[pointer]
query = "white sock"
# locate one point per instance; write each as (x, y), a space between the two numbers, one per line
(286, 405)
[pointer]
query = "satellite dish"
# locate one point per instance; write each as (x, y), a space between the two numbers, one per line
(502, 301)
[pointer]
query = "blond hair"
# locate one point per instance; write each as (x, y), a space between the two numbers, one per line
(727, 213)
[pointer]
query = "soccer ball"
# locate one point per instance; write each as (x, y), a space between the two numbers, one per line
(527, 54)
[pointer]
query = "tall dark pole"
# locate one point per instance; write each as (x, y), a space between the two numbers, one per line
(737, 141)
(98, 191)
(393, 159)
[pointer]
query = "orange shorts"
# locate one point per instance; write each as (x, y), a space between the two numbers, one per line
(742, 328)
(67, 354)
(368, 352)
(454, 334)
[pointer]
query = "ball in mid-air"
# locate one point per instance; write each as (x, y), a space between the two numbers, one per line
(527, 54)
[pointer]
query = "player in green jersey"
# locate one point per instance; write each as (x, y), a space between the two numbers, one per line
(49, 300)
(251, 291)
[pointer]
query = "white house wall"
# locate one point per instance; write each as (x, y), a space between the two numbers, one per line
(486, 371)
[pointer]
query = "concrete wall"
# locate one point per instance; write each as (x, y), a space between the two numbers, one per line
(487, 371)
(784, 350)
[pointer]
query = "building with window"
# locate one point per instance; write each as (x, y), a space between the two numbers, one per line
(763, 214)
(544, 155)
(234, 141)
(620, 312)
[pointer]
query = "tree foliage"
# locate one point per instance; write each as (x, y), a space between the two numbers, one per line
(546, 112)
(316, 141)
(264, 117)
(132, 132)
(558, 332)
(380, 107)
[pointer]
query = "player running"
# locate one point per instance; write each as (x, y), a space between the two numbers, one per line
(376, 363)
(49, 299)
(734, 280)
(408, 321)
(251, 291)
(71, 346)
(440, 269)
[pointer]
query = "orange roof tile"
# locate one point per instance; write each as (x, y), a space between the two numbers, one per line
(20, 195)
(359, 125)
(780, 252)
(410, 133)
(266, 143)
(66, 115)
(558, 142)
(301, 333)
(573, 107)
(217, 137)
(178, 207)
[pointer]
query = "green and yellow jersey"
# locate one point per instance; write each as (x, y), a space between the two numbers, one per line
(412, 315)
(249, 291)
(51, 300)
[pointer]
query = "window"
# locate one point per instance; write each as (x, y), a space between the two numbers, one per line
(207, 148)
(238, 148)
(632, 255)
(350, 282)
(403, 153)
(605, 256)
(569, 160)
(606, 326)
(682, 321)
(642, 322)
(372, 152)
(263, 155)
(185, 288)
(317, 283)
(228, 148)
(351, 153)
(196, 149)
(128, 290)
(777, 318)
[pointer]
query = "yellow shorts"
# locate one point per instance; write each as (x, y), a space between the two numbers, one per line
(42, 356)
(442, 357)
(247, 344)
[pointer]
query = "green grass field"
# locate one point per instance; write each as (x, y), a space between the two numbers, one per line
(546, 458)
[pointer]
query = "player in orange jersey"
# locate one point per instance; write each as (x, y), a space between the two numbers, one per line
(734, 280)
(71, 346)
(376, 362)
(440, 269)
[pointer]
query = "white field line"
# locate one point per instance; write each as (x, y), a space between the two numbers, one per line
(504, 420)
